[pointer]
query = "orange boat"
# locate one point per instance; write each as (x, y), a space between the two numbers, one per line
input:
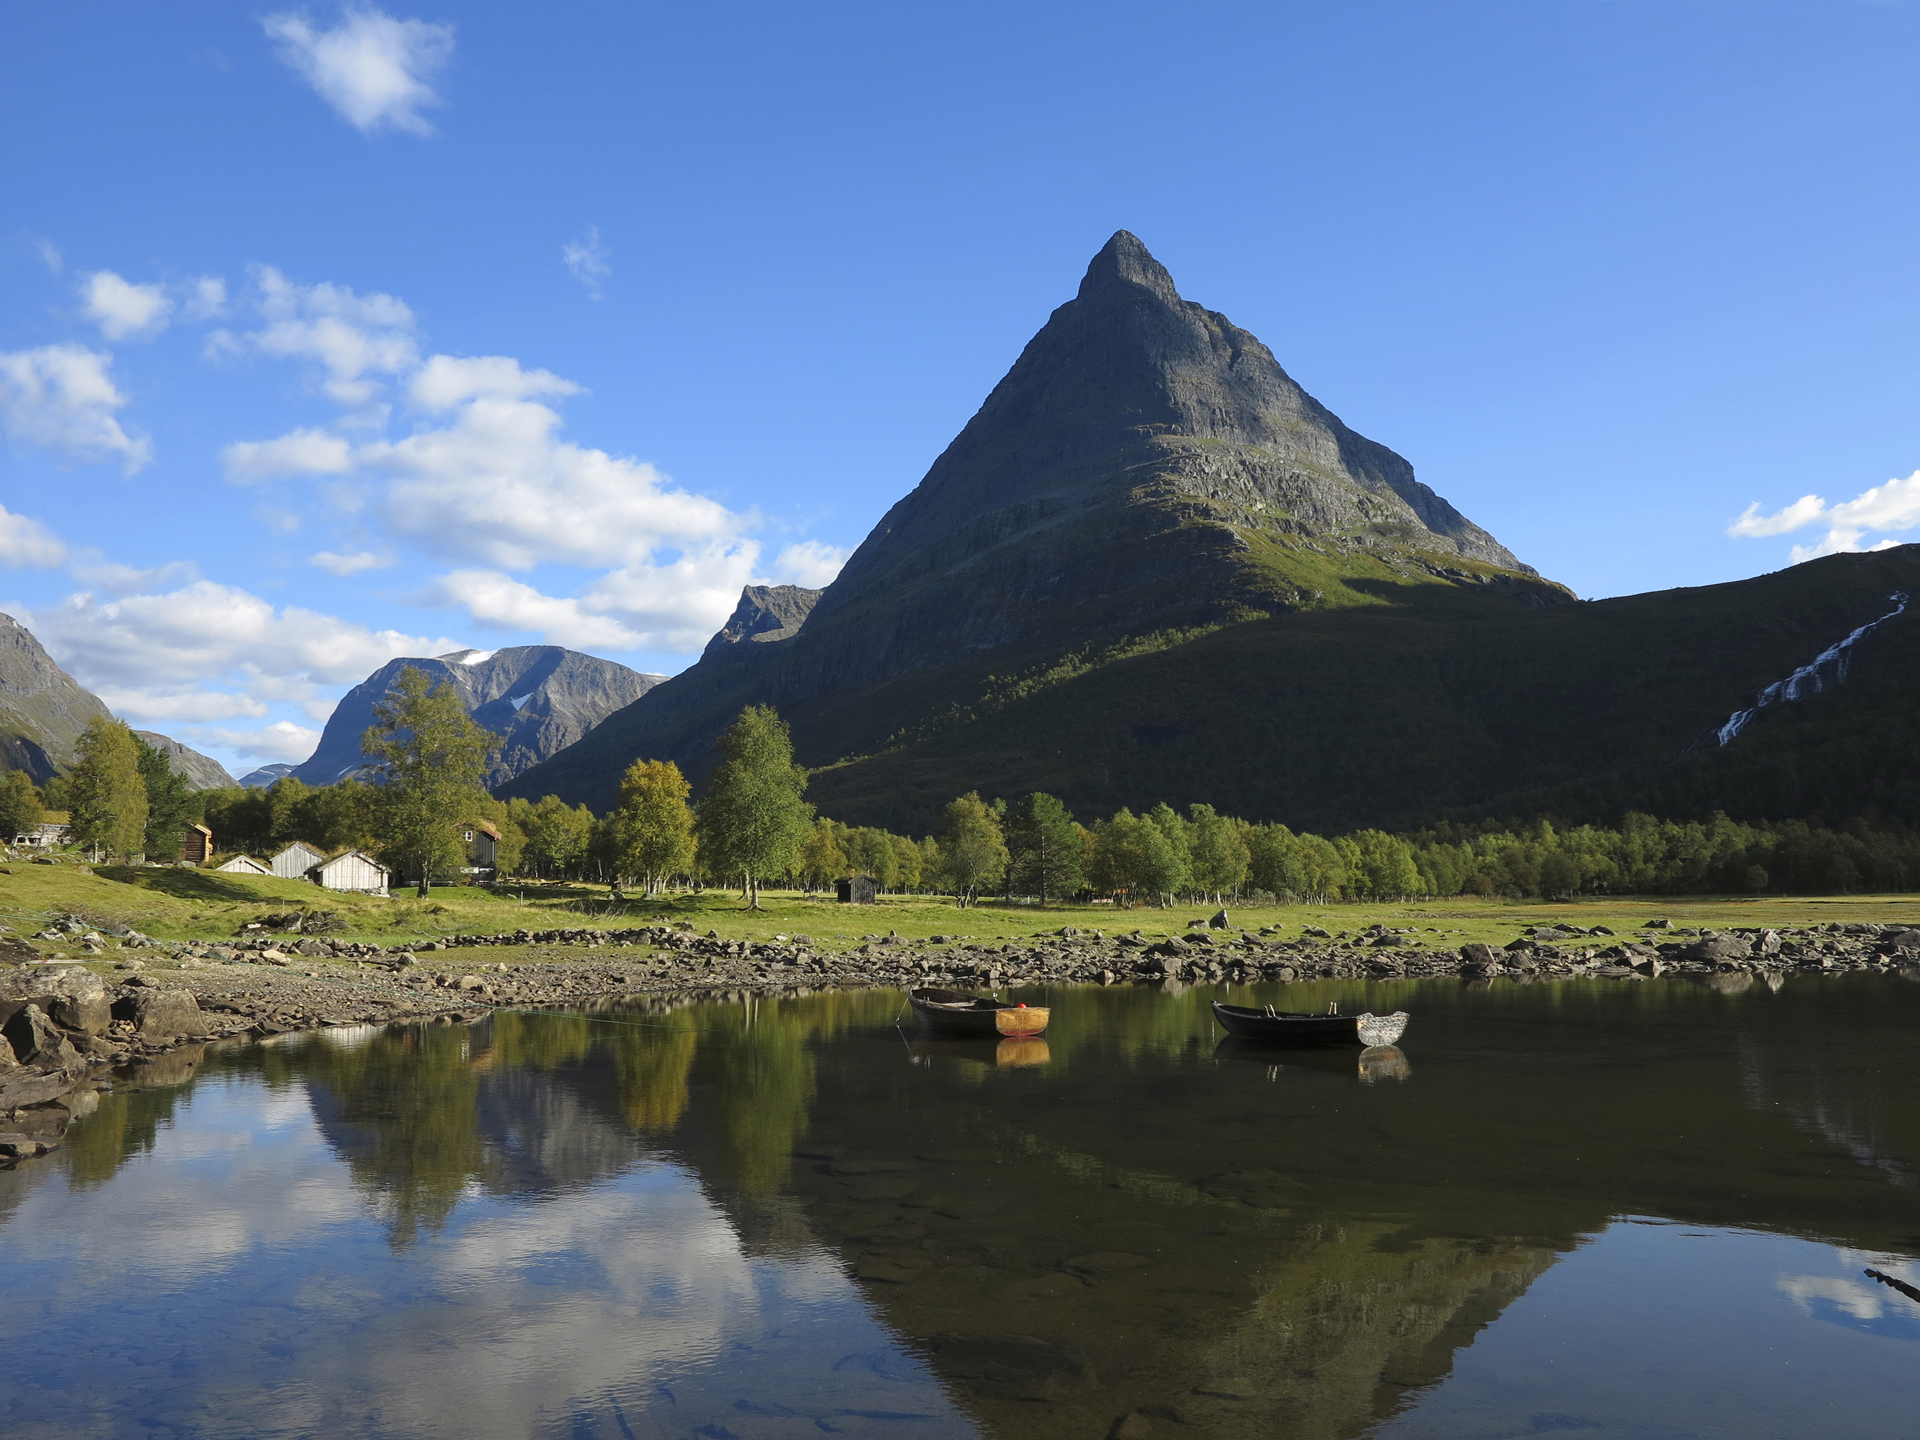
(953, 1012)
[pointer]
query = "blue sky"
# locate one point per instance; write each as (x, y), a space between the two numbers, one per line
(333, 334)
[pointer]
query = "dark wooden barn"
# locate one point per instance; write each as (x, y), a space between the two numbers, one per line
(860, 890)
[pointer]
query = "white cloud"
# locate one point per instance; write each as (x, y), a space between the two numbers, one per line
(1894, 506)
(495, 485)
(501, 602)
(446, 381)
(672, 607)
(50, 256)
(351, 335)
(349, 564)
(298, 452)
(205, 633)
(587, 259)
(375, 70)
(27, 544)
(61, 396)
(676, 606)
(157, 704)
(1804, 511)
(122, 309)
(281, 742)
(811, 563)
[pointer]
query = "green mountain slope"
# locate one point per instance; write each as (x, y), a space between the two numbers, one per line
(1436, 701)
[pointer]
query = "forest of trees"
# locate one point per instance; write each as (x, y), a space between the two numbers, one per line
(753, 828)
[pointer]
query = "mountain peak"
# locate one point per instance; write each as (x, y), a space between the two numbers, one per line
(1125, 262)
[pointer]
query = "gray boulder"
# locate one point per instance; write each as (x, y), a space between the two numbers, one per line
(166, 1014)
(78, 1001)
(1719, 949)
(1219, 920)
(38, 1041)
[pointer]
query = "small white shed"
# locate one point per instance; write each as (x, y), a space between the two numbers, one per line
(246, 865)
(353, 871)
(296, 860)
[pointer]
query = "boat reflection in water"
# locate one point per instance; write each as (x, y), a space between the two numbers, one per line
(1012, 1051)
(1375, 1063)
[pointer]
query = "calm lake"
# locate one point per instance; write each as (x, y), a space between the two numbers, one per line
(1607, 1208)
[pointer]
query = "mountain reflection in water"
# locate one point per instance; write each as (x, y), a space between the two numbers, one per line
(764, 1217)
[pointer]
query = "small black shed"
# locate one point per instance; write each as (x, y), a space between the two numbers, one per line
(860, 890)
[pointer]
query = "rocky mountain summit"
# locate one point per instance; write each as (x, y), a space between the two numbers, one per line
(538, 699)
(1146, 467)
(765, 614)
(43, 710)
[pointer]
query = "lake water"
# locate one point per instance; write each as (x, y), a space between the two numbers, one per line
(1602, 1208)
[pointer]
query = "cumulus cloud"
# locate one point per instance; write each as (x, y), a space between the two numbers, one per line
(350, 563)
(811, 563)
(122, 309)
(486, 482)
(447, 381)
(675, 606)
(1892, 507)
(587, 259)
(298, 452)
(27, 544)
(189, 704)
(496, 485)
(501, 602)
(351, 336)
(61, 396)
(375, 70)
(205, 633)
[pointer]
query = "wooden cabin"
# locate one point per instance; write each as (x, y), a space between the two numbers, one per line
(196, 846)
(482, 840)
(351, 871)
(296, 860)
(245, 865)
(858, 890)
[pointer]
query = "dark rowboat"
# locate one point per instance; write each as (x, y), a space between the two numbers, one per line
(952, 1012)
(1285, 1027)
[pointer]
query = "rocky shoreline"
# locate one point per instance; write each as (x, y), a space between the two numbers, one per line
(67, 1032)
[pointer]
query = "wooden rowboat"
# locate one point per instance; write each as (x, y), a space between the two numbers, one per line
(1286, 1027)
(953, 1012)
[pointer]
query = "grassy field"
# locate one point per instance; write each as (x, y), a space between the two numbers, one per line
(175, 904)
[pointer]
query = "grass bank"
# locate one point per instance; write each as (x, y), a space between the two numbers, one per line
(174, 904)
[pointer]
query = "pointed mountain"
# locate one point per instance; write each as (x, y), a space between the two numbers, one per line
(1145, 470)
(538, 699)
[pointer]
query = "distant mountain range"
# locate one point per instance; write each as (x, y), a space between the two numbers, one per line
(538, 699)
(1152, 567)
(200, 771)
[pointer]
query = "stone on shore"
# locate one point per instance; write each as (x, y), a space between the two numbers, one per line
(166, 1014)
